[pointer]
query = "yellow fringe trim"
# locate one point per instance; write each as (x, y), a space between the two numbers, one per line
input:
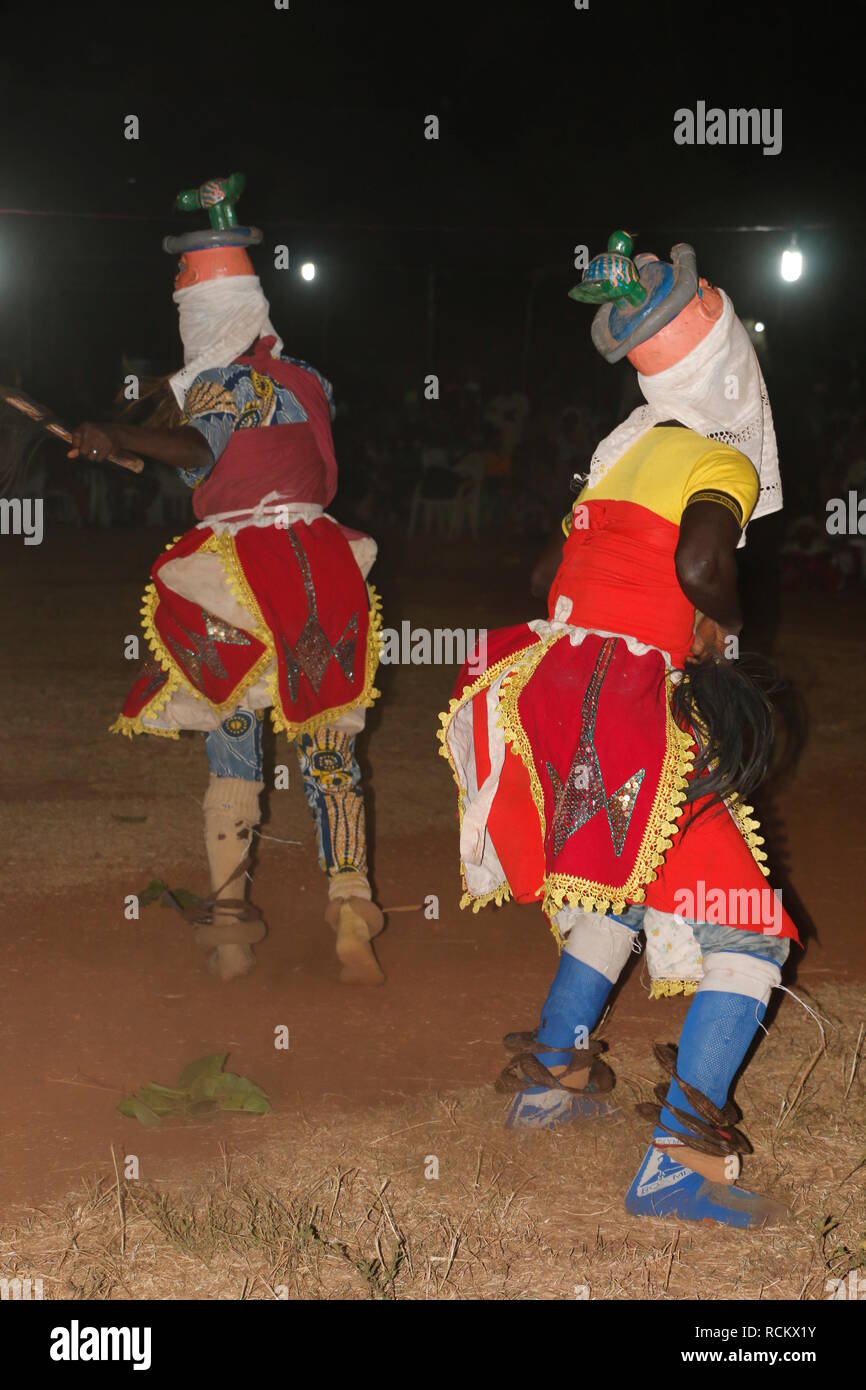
(509, 720)
(661, 826)
(224, 547)
(126, 726)
(666, 989)
(748, 828)
(501, 894)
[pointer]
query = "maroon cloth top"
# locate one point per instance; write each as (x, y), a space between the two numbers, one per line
(295, 460)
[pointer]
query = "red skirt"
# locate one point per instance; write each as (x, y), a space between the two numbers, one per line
(279, 615)
(572, 777)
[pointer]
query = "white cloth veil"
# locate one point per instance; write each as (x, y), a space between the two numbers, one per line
(717, 390)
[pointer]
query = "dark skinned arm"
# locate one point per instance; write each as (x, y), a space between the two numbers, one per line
(546, 566)
(182, 448)
(707, 572)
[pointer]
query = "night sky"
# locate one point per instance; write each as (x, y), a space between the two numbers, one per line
(556, 127)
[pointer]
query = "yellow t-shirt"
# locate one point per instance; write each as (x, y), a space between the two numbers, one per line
(671, 466)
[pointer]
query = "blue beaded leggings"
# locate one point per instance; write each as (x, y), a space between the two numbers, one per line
(331, 777)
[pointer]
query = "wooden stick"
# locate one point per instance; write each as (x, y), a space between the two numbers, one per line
(40, 416)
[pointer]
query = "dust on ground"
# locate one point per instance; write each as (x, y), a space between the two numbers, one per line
(431, 1198)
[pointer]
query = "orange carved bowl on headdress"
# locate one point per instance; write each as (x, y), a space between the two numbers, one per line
(211, 263)
(673, 342)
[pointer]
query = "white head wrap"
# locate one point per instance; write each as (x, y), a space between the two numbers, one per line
(218, 320)
(717, 390)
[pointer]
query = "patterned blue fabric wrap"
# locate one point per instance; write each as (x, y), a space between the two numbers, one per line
(235, 748)
(331, 777)
(335, 796)
(711, 936)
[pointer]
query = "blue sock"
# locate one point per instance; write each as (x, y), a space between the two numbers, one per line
(716, 1036)
(576, 999)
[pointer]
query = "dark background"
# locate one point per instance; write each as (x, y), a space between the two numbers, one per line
(453, 256)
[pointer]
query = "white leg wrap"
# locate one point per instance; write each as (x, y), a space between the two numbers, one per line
(349, 886)
(600, 942)
(733, 972)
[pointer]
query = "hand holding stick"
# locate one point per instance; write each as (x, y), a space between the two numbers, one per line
(92, 448)
(96, 442)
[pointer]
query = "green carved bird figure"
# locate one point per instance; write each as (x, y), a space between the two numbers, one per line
(218, 196)
(611, 276)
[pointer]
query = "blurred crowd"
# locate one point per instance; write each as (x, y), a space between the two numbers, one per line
(489, 458)
(823, 453)
(487, 455)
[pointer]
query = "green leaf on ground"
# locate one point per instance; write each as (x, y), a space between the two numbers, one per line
(153, 892)
(137, 1110)
(203, 1088)
(158, 891)
(204, 1066)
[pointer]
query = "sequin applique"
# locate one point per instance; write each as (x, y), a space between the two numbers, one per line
(156, 677)
(202, 649)
(583, 794)
(312, 651)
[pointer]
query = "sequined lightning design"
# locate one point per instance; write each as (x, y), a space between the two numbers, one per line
(202, 649)
(583, 794)
(156, 677)
(313, 651)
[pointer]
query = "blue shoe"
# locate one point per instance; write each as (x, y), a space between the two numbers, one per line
(664, 1188)
(548, 1105)
(538, 1108)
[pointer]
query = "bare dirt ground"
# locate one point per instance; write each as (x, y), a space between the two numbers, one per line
(374, 1082)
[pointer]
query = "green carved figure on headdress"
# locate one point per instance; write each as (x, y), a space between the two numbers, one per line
(218, 196)
(612, 275)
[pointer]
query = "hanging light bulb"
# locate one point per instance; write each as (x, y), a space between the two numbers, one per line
(792, 261)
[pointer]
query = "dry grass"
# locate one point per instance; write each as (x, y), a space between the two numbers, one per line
(341, 1208)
